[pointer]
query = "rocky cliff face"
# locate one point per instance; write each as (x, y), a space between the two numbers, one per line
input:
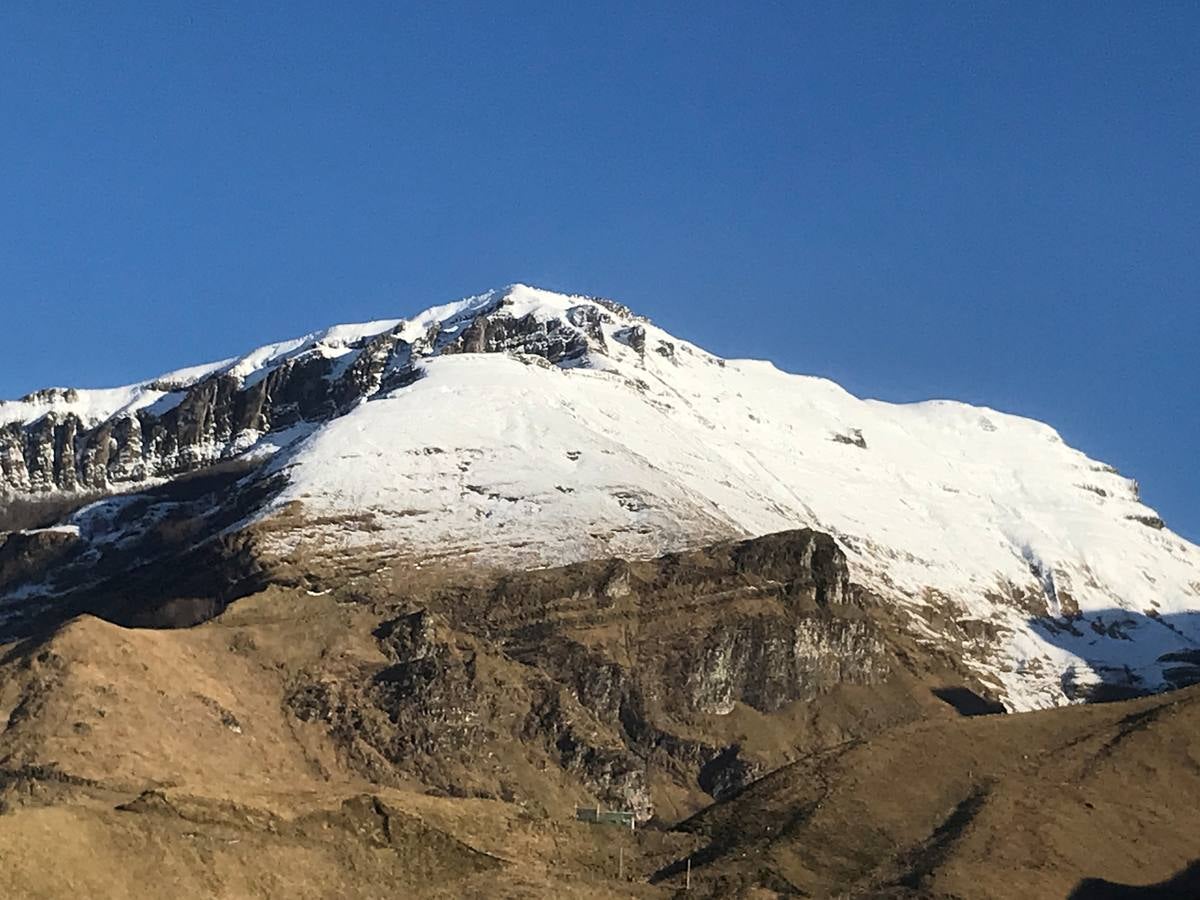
(648, 683)
(54, 440)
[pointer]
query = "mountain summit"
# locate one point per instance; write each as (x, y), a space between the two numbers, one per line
(522, 427)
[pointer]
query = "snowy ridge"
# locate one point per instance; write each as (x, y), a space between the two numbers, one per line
(97, 405)
(526, 427)
(638, 453)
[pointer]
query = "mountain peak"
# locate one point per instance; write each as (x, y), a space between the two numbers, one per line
(526, 427)
(432, 330)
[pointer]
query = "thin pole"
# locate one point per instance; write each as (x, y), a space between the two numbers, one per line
(689, 874)
(621, 864)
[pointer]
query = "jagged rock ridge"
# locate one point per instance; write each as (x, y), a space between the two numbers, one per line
(59, 439)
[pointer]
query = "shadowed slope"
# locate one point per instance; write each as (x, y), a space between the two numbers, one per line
(991, 807)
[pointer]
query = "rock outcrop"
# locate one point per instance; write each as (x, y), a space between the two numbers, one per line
(618, 675)
(194, 423)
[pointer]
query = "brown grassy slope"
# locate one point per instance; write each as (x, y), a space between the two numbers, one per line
(996, 807)
(381, 845)
(140, 763)
(653, 685)
(145, 763)
(144, 708)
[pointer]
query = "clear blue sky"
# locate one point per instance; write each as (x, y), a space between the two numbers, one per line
(991, 202)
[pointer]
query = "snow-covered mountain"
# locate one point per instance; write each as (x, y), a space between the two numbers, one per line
(524, 427)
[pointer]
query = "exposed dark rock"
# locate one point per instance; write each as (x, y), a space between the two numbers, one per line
(854, 437)
(29, 556)
(500, 333)
(633, 337)
(589, 319)
(727, 773)
(1149, 521)
(217, 417)
(408, 638)
(619, 309)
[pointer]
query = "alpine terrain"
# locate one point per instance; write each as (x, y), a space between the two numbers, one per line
(371, 612)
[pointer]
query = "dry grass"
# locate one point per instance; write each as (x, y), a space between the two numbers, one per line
(167, 764)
